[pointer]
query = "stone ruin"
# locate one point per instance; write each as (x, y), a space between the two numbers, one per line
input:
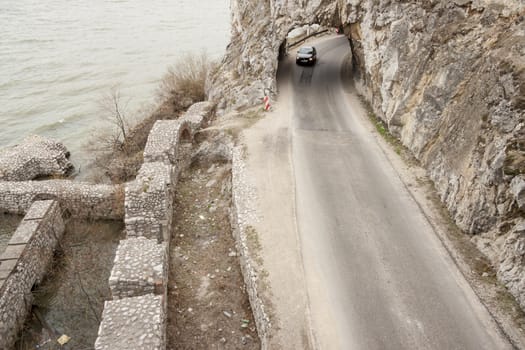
(34, 157)
(136, 317)
(80, 199)
(24, 264)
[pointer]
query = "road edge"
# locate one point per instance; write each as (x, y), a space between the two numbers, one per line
(434, 215)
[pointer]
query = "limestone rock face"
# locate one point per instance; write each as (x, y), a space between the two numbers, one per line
(447, 77)
(449, 82)
(35, 156)
(518, 190)
(512, 262)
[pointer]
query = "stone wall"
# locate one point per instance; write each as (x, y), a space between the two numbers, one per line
(136, 317)
(140, 268)
(148, 203)
(242, 198)
(24, 264)
(446, 77)
(81, 200)
(34, 157)
(133, 323)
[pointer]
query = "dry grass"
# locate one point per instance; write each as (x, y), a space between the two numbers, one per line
(119, 151)
(184, 82)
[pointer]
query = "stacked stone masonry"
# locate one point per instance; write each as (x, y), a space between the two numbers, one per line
(148, 203)
(140, 267)
(199, 109)
(242, 215)
(133, 323)
(24, 264)
(81, 200)
(34, 157)
(164, 135)
(136, 318)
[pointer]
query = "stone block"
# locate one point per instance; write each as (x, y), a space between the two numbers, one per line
(140, 268)
(4, 274)
(24, 233)
(12, 252)
(133, 323)
(148, 203)
(39, 209)
(7, 266)
(30, 251)
(164, 139)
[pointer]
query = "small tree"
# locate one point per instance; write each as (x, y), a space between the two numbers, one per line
(113, 110)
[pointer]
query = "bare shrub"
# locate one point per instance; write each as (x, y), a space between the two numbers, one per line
(184, 82)
(112, 108)
(119, 150)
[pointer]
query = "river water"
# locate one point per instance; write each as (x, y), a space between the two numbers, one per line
(58, 58)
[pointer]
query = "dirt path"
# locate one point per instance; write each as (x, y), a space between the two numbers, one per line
(207, 304)
(269, 173)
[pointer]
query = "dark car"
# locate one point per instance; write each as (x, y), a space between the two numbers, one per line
(306, 55)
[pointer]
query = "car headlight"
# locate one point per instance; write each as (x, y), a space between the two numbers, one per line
(310, 59)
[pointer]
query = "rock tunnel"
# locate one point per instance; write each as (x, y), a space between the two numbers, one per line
(444, 76)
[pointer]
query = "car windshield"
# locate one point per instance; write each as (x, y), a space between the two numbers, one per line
(306, 50)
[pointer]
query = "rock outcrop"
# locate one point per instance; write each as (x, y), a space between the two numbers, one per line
(447, 77)
(512, 261)
(35, 156)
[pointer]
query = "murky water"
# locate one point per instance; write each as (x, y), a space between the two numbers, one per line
(58, 57)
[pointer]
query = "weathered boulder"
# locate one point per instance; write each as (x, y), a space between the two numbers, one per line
(217, 149)
(35, 156)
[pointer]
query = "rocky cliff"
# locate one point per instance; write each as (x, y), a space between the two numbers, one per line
(447, 77)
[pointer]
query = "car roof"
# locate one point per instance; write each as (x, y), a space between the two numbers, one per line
(307, 49)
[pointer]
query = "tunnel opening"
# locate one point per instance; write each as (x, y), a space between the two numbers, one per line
(301, 35)
(336, 22)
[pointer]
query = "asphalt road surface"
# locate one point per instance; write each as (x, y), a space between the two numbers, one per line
(377, 275)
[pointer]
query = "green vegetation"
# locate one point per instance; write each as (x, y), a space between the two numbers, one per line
(254, 244)
(382, 129)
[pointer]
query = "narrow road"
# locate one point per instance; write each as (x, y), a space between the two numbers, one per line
(377, 276)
